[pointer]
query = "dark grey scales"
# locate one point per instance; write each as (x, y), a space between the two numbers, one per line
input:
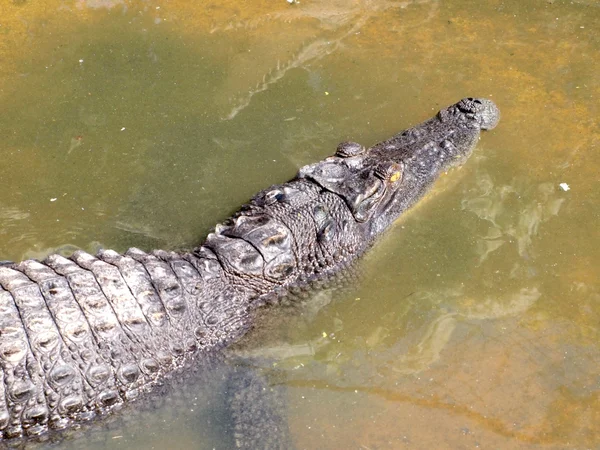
(80, 336)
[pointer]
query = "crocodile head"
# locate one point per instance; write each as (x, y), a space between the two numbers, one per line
(378, 184)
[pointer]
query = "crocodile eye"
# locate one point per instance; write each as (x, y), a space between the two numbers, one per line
(349, 149)
(389, 172)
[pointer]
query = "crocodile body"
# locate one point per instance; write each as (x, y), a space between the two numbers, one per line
(80, 336)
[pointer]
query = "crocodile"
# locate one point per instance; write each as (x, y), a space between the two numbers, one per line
(83, 335)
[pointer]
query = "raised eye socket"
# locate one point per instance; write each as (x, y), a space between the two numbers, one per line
(349, 149)
(389, 172)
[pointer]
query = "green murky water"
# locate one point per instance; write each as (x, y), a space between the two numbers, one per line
(477, 322)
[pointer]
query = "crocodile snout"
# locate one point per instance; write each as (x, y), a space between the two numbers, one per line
(485, 111)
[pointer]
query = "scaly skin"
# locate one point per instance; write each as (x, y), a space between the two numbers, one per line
(81, 335)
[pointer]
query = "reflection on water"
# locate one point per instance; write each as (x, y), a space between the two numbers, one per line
(143, 123)
(520, 222)
(337, 21)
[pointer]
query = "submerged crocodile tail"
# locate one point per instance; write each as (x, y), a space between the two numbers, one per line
(82, 335)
